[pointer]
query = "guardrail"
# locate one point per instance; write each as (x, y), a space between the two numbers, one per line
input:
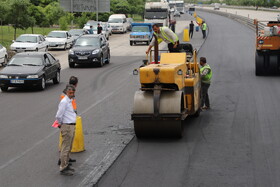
(245, 8)
(241, 19)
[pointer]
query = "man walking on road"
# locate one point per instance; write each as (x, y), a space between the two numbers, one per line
(167, 35)
(191, 26)
(99, 28)
(66, 117)
(206, 75)
(204, 28)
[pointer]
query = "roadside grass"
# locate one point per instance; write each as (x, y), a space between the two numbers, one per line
(7, 33)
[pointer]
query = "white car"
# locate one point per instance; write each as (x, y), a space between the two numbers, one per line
(90, 23)
(60, 40)
(3, 55)
(29, 42)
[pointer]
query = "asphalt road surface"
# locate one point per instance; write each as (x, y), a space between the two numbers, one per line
(235, 143)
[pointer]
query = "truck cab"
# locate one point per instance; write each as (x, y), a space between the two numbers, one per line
(141, 32)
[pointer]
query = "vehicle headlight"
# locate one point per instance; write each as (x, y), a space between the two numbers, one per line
(95, 51)
(261, 42)
(3, 76)
(32, 77)
(71, 52)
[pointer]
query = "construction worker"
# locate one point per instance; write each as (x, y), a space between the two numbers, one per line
(203, 28)
(206, 75)
(167, 35)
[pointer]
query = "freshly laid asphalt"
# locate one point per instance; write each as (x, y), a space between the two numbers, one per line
(235, 143)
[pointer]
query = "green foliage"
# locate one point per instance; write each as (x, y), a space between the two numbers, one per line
(63, 22)
(53, 12)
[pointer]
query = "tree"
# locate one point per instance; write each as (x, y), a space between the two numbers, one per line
(19, 15)
(53, 12)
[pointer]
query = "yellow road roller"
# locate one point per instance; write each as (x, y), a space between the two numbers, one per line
(170, 91)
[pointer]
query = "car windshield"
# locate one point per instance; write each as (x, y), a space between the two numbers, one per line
(140, 29)
(57, 34)
(91, 23)
(115, 20)
(26, 60)
(77, 32)
(29, 39)
(88, 42)
(156, 15)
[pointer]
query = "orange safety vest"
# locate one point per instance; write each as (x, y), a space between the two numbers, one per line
(74, 104)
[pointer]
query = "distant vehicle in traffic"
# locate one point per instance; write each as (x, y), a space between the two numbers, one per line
(141, 32)
(90, 49)
(177, 14)
(30, 69)
(106, 26)
(118, 23)
(217, 6)
(129, 21)
(3, 55)
(60, 40)
(76, 33)
(90, 23)
(274, 7)
(29, 42)
(105, 31)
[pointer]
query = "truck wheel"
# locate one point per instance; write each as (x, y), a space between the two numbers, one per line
(131, 43)
(4, 88)
(259, 64)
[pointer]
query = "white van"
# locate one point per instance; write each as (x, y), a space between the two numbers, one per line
(118, 23)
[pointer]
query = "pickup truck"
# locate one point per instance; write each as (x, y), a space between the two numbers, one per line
(141, 32)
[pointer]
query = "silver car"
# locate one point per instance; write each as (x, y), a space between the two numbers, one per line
(29, 42)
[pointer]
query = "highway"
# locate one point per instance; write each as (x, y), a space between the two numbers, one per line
(233, 144)
(236, 143)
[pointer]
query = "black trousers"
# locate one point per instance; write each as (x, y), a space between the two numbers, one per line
(204, 33)
(204, 93)
(191, 33)
(171, 49)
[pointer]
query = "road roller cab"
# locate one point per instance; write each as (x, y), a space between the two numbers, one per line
(267, 60)
(170, 91)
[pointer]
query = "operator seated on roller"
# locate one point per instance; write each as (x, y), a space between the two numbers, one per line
(167, 35)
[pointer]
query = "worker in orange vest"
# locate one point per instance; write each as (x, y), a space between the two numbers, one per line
(73, 81)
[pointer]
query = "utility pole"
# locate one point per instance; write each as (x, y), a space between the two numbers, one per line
(96, 3)
(72, 14)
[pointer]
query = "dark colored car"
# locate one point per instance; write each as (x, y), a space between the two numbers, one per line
(90, 49)
(30, 69)
(76, 33)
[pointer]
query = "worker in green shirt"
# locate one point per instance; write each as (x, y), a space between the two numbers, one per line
(206, 75)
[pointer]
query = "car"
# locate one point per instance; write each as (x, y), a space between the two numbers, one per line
(90, 49)
(274, 7)
(29, 42)
(130, 21)
(90, 23)
(60, 40)
(3, 55)
(177, 14)
(30, 69)
(76, 33)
